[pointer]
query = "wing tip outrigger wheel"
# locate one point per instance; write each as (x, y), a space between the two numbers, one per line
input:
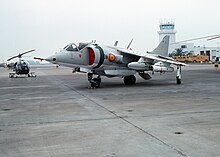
(178, 81)
(178, 75)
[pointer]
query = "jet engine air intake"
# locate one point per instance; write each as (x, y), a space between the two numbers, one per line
(91, 56)
(95, 56)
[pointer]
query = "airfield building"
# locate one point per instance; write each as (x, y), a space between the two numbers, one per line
(167, 28)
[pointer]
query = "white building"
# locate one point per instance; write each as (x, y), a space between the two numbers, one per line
(212, 52)
(167, 28)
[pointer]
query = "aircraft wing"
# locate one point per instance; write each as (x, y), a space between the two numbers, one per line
(151, 57)
(128, 53)
(163, 59)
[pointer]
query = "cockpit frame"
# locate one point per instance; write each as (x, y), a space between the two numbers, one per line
(75, 47)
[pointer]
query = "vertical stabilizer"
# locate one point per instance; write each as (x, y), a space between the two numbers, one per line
(162, 48)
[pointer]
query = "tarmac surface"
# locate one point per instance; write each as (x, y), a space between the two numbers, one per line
(56, 114)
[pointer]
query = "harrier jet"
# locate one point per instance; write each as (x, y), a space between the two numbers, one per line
(113, 61)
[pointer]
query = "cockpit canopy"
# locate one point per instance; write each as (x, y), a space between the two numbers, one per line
(23, 63)
(75, 47)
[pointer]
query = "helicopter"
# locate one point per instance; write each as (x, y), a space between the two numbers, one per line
(7, 65)
(21, 67)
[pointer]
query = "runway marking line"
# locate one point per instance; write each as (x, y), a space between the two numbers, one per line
(24, 87)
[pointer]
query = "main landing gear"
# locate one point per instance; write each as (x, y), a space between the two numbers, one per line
(95, 82)
(129, 80)
(178, 75)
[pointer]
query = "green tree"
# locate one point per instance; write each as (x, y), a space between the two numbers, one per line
(177, 52)
(189, 54)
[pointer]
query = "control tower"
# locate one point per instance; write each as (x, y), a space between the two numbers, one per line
(167, 28)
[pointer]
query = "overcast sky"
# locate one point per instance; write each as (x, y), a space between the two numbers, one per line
(48, 25)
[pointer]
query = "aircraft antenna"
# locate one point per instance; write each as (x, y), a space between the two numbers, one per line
(116, 43)
(130, 43)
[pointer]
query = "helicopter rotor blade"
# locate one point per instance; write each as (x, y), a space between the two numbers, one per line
(12, 58)
(26, 52)
(20, 54)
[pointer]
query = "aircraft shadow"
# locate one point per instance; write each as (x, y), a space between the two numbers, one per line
(115, 85)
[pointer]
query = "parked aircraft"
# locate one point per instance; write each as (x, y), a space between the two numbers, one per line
(2, 65)
(7, 65)
(113, 61)
(21, 66)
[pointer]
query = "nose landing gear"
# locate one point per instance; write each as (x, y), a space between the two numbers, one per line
(95, 82)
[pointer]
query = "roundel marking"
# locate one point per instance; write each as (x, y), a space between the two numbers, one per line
(111, 57)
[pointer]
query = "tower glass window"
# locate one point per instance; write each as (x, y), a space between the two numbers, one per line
(166, 26)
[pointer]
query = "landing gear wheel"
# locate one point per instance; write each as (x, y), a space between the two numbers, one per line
(11, 75)
(95, 82)
(178, 81)
(178, 75)
(129, 80)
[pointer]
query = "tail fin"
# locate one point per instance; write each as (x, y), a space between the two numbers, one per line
(162, 48)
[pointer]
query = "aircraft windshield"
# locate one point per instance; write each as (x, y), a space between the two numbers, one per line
(71, 47)
(75, 47)
(21, 63)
